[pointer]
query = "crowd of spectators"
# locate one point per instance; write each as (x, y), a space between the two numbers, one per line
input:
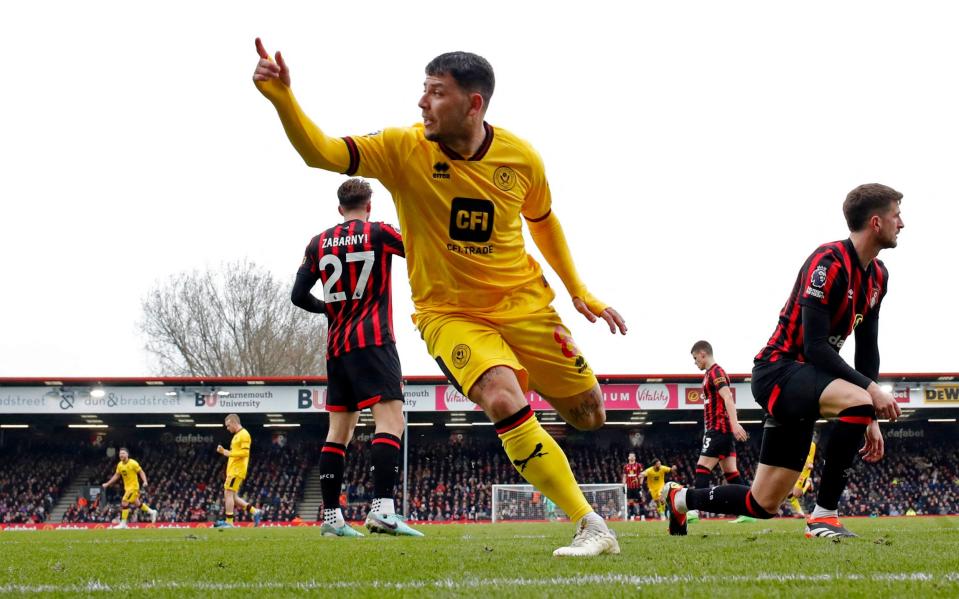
(915, 477)
(186, 483)
(450, 476)
(31, 481)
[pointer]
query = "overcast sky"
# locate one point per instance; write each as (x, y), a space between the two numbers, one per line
(697, 153)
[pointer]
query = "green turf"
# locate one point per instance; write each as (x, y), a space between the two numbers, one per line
(895, 557)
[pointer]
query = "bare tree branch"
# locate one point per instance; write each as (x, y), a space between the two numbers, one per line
(235, 321)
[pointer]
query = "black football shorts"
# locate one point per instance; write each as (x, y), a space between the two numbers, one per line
(363, 377)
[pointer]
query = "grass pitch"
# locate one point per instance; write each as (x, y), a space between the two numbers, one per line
(895, 557)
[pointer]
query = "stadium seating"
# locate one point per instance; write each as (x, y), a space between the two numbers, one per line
(187, 486)
(450, 475)
(32, 478)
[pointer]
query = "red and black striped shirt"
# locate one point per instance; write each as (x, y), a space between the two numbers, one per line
(353, 262)
(715, 415)
(831, 279)
(632, 472)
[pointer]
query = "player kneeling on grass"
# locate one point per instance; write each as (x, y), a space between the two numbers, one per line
(799, 376)
(353, 260)
(131, 473)
(238, 461)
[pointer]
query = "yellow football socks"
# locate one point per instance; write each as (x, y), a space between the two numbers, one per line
(539, 459)
(124, 514)
(144, 507)
(229, 518)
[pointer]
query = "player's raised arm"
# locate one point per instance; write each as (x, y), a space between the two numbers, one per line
(112, 480)
(143, 476)
(272, 78)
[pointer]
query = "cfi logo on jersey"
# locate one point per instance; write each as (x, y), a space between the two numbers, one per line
(505, 178)
(471, 219)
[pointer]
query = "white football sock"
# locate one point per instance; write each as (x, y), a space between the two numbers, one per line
(679, 501)
(334, 518)
(383, 506)
(821, 512)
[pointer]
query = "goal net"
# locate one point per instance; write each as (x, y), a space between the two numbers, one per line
(524, 502)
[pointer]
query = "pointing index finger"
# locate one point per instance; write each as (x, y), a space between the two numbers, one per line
(261, 50)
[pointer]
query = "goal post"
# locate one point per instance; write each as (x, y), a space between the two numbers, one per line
(525, 502)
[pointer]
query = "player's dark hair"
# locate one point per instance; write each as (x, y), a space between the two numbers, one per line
(353, 193)
(470, 71)
(124, 449)
(702, 346)
(865, 201)
(657, 460)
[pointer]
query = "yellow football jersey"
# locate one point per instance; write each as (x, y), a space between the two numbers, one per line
(656, 478)
(239, 454)
(807, 471)
(128, 472)
(461, 217)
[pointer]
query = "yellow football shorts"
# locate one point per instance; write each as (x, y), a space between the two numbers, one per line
(131, 495)
(656, 492)
(233, 483)
(536, 345)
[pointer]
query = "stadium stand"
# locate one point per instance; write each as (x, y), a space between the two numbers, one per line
(450, 474)
(32, 477)
(187, 486)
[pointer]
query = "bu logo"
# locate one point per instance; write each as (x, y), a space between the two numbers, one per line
(471, 220)
(537, 453)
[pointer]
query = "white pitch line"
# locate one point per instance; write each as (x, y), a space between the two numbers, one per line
(97, 586)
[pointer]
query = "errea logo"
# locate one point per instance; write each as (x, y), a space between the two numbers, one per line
(441, 170)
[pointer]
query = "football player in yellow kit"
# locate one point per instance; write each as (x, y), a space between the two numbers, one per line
(130, 471)
(238, 460)
(462, 189)
(804, 483)
(655, 477)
